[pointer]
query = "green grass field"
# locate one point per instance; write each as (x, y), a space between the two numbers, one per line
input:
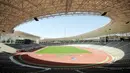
(61, 49)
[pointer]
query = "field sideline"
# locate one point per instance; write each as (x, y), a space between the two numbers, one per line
(61, 49)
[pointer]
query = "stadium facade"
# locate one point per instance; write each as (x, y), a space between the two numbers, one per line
(112, 38)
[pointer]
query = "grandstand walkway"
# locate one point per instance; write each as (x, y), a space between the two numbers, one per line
(5, 48)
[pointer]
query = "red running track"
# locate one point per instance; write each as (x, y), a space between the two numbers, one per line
(95, 57)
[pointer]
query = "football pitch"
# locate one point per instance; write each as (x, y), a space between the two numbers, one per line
(61, 50)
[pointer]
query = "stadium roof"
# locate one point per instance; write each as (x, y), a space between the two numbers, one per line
(15, 12)
(24, 35)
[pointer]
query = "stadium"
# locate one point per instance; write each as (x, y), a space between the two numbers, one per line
(105, 49)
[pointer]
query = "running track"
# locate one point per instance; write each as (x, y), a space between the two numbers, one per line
(96, 57)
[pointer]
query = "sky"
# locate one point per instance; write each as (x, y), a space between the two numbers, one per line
(63, 26)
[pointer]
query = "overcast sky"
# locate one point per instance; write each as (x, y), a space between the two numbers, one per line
(63, 26)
